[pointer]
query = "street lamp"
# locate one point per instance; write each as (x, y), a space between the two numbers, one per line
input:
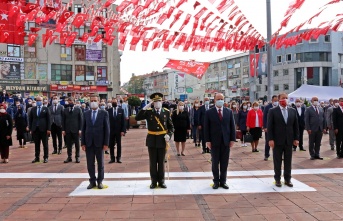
(269, 52)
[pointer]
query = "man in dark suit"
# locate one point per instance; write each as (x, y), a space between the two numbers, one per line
(220, 135)
(300, 110)
(94, 140)
(266, 109)
(40, 127)
(283, 132)
(72, 126)
(329, 121)
(160, 129)
(338, 128)
(56, 111)
(315, 125)
(117, 129)
(202, 112)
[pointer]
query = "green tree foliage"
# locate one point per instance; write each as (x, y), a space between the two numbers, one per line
(135, 85)
(134, 101)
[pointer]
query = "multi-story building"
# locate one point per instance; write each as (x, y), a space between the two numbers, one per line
(156, 82)
(316, 62)
(230, 76)
(55, 69)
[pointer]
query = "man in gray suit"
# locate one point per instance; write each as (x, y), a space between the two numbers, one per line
(72, 126)
(329, 122)
(56, 111)
(95, 139)
(315, 125)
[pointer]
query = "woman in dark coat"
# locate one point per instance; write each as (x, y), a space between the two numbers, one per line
(20, 123)
(181, 124)
(6, 127)
(242, 121)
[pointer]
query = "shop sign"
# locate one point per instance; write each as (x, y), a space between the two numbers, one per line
(12, 59)
(23, 88)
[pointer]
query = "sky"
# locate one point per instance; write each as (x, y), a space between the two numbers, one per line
(139, 62)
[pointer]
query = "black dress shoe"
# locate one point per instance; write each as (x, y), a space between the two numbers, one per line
(215, 186)
(91, 186)
(54, 152)
(294, 149)
(289, 183)
(36, 160)
(100, 186)
(77, 160)
(45, 160)
(59, 151)
(224, 185)
(153, 186)
(302, 149)
(118, 160)
(182, 154)
(203, 152)
(68, 160)
(178, 154)
(112, 161)
(64, 147)
(318, 158)
(278, 183)
(162, 185)
(312, 158)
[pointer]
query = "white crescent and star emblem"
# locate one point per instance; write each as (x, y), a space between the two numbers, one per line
(4, 16)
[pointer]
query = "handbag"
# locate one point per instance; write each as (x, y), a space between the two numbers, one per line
(28, 137)
(248, 138)
(239, 134)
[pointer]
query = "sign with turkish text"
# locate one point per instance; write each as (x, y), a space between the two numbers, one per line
(10, 71)
(9, 59)
(23, 88)
(93, 55)
(194, 68)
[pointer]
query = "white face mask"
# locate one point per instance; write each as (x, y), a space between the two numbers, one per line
(298, 104)
(158, 104)
(255, 108)
(315, 103)
(336, 104)
(181, 108)
(109, 105)
(34, 104)
(94, 105)
(245, 107)
(234, 106)
(55, 101)
(2, 111)
(66, 102)
(196, 105)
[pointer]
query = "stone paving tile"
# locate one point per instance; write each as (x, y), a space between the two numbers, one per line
(325, 215)
(278, 217)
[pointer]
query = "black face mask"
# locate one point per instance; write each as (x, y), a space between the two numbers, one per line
(114, 104)
(20, 111)
(71, 105)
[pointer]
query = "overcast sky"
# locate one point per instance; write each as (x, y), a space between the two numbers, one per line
(139, 62)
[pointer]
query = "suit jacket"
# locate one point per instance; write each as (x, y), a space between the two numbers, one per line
(97, 134)
(329, 117)
(216, 129)
(56, 117)
(72, 121)
(301, 118)
(117, 123)
(202, 114)
(43, 120)
(279, 131)
(265, 114)
(337, 118)
(313, 120)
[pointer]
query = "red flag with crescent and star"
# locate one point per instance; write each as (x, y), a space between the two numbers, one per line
(194, 68)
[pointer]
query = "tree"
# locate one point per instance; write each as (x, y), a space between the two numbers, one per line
(134, 101)
(136, 85)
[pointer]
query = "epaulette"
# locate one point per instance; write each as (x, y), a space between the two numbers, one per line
(149, 109)
(166, 109)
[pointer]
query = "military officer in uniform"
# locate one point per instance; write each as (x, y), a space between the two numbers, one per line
(160, 129)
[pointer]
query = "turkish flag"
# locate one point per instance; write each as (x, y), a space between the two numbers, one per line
(32, 38)
(29, 7)
(10, 32)
(64, 16)
(195, 68)
(84, 37)
(79, 20)
(97, 38)
(63, 37)
(109, 41)
(70, 39)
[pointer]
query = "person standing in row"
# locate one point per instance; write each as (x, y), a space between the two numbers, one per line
(94, 140)
(56, 111)
(329, 122)
(195, 122)
(40, 128)
(337, 118)
(220, 135)
(202, 113)
(300, 110)
(181, 124)
(71, 129)
(20, 124)
(283, 133)
(242, 122)
(6, 126)
(255, 125)
(274, 103)
(160, 129)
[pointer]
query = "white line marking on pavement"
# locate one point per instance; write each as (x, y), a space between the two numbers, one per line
(171, 174)
(188, 187)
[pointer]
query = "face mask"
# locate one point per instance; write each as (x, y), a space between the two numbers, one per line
(256, 108)
(248, 105)
(55, 101)
(102, 107)
(181, 108)
(66, 102)
(298, 104)
(2, 111)
(29, 102)
(196, 105)
(336, 104)
(109, 105)
(39, 103)
(114, 104)
(45, 101)
(94, 105)
(275, 103)
(207, 102)
(20, 111)
(71, 105)
(189, 105)
(234, 106)
(283, 102)
(34, 104)
(19, 96)
(245, 107)
(158, 104)
(219, 103)
(315, 103)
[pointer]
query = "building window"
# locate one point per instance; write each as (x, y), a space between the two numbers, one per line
(238, 71)
(80, 72)
(276, 73)
(101, 73)
(90, 73)
(285, 87)
(278, 59)
(80, 31)
(78, 9)
(61, 72)
(30, 51)
(104, 54)
(29, 25)
(65, 53)
(285, 72)
(289, 57)
(258, 88)
(104, 12)
(299, 57)
(313, 40)
(13, 51)
(327, 39)
(80, 52)
(276, 87)
(266, 87)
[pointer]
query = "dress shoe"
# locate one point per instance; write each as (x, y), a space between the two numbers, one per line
(91, 186)
(278, 183)
(312, 158)
(266, 159)
(302, 149)
(203, 152)
(215, 186)
(64, 147)
(332, 148)
(208, 151)
(5, 160)
(153, 186)
(118, 160)
(182, 154)
(45, 160)
(35, 160)
(289, 183)
(318, 158)
(77, 160)
(178, 154)
(224, 185)
(162, 185)
(59, 151)
(112, 161)
(294, 149)
(54, 152)
(338, 157)
(68, 160)
(106, 152)
(100, 186)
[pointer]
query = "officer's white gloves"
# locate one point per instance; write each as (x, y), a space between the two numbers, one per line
(147, 106)
(167, 137)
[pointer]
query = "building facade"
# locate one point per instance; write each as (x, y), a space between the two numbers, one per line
(156, 82)
(83, 68)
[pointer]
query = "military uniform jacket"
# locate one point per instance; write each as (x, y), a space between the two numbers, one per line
(156, 141)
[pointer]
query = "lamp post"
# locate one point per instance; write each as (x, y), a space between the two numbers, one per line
(269, 52)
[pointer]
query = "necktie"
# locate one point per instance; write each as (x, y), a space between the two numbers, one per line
(70, 109)
(114, 112)
(158, 112)
(93, 117)
(220, 114)
(39, 110)
(316, 110)
(206, 107)
(285, 114)
(55, 108)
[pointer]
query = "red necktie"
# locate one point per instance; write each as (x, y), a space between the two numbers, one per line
(220, 114)
(317, 110)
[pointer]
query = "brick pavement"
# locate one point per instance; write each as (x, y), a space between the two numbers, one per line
(48, 198)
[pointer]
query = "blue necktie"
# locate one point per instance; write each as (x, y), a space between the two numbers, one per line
(38, 111)
(93, 117)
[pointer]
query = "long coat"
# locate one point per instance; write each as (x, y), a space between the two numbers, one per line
(6, 128)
